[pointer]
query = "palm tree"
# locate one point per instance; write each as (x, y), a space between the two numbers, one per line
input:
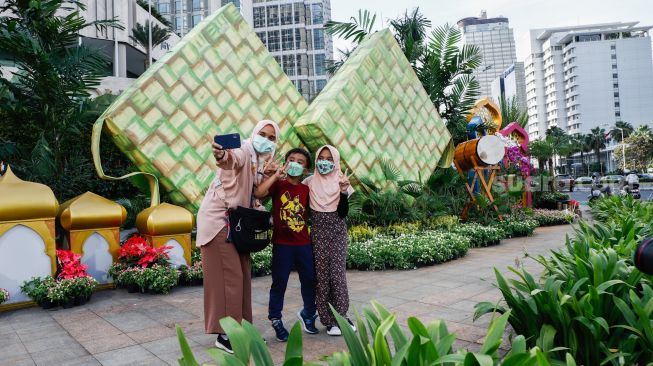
(155, 12)
(140, 35)
(42, 106)
(558, 139)
(620, 126)
(597, 139)
(542, 150)
(585, 143)
(444, 69)
(511, 112)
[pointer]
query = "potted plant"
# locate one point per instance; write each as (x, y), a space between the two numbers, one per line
(4, 295)
(37, 289)
(191, 276)
(62, 293)
(159, 279)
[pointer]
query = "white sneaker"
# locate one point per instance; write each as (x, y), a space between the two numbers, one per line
(334, 331)
(353, 327)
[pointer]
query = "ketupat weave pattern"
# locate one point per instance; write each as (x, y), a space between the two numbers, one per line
(218, 79)
(375, 107)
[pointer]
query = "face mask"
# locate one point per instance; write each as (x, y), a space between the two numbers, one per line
(295, 169)
(325, 166)
(262, 145)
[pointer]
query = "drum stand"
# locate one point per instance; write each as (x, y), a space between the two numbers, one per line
(486, 184)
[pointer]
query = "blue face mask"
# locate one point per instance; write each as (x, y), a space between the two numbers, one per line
(262, 145)
(325, 166)
(295, 169)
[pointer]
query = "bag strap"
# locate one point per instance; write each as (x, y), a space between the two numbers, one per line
(152, 180)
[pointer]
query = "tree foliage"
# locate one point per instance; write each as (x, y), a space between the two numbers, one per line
(444, 68)
(140, 35)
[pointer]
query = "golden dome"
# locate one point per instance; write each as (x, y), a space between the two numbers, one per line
(164, 219)
(90, 211)
(23, 200)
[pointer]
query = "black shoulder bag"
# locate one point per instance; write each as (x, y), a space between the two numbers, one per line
(249, 229)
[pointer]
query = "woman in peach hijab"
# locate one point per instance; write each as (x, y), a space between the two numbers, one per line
(329, 193)
(227, 273)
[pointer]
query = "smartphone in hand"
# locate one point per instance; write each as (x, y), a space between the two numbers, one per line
(228, 141)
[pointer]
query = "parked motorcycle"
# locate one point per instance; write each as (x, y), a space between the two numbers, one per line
(633, 190)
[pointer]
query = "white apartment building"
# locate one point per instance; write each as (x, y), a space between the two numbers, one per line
(293, 31)
(587, 76)
(496, 41)
(127, 58)
(511, 84)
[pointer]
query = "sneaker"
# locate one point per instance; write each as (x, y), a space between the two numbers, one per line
(353, 327)
(308, 323)
(224, 344)
(280, 330)
(334, 331)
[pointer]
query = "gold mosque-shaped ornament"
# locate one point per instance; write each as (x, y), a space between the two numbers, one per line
(168, 225)
(27, 235)
(92, 225)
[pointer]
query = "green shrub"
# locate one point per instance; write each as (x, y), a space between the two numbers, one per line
(514, 227)
(403, 228)
(380, 341)
(440, 222)
(262, 262)
(548, 200)
(590, 299)
(362, 232)
(406, 251)
(37, 288)
(158, 279)
(479, 235)
(553, 217)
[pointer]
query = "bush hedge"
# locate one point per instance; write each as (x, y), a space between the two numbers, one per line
(552, 217)
(406, 251)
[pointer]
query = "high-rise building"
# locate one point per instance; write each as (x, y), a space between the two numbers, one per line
(511, 84)
(495, 39)
(293, 32)
(587, 76)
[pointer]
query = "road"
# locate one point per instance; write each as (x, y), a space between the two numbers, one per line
(580, 193)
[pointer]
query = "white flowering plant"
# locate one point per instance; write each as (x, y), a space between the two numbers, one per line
(4, 295)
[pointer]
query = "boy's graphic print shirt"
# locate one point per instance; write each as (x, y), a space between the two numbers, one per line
(290, 213)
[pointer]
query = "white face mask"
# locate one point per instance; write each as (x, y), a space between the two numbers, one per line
(262, 145)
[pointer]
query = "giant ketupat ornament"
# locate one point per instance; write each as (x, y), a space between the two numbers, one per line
(27, 236)
(93, 224)
(168, 225)
(375, 107)
(218, 79)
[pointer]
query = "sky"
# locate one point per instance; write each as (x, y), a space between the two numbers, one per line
(523, 15)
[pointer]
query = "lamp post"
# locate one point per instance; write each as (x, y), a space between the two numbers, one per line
(623, 147)
(149, 31)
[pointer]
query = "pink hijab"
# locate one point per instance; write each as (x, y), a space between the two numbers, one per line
(325, 188)
(259, 160)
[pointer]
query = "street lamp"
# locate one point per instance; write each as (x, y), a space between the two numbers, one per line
(623, 145)
(149, 31)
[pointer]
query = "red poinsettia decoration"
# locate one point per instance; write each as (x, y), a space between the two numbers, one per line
(70, 265)
(136, 252)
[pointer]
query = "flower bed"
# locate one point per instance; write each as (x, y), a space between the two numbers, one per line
(141, 268)
(193, 275)
(514, 226)
(553, 217)
(72, 286)
(4, 295)
(479, 235)
(406, 251)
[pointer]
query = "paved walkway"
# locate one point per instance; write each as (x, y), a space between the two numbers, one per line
(118, 328)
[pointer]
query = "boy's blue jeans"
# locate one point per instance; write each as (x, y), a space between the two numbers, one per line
(284, 259)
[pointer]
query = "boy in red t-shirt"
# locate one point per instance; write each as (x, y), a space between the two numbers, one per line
(292, 247)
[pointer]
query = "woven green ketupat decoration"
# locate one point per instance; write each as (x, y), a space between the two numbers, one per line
(375, 107)
(218, 79)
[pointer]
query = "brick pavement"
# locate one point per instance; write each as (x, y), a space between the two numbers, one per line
(118, 328)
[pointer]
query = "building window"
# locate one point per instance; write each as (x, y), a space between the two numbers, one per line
(298, 39)
(195, 20)
(273, 41)
(299, 9)
(164, 8)
(178, 23)
(615, 85)
(287, 39)
(197, 5)
(318, 39)
(235, 2)
(616, 104)
(259, 17)
(617, 114)
(318, 17)
(261, 36)
(286, 14)
(614, 76)
(319, 85)
(299, 64)
(614, 57)
(289, 65)
(180, 6)
(273, 16)
(616, 94)
(614, 67)
(613, 47)
(319, 64)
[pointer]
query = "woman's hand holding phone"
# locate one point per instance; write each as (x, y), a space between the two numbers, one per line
(218, 151)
